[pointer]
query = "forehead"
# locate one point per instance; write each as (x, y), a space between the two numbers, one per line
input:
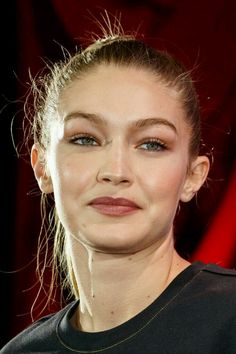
(121, 94)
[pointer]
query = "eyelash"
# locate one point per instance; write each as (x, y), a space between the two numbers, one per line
(158, 144)
(75, 139)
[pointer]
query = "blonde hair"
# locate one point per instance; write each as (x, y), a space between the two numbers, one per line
(113, 49)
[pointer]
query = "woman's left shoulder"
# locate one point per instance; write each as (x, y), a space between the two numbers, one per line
(220, 278)
(221, 271)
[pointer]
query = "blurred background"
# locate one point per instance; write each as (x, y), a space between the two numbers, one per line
(200, 33)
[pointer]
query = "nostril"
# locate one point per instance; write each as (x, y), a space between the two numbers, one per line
(125, 181)
(106, 179)
(115, 180)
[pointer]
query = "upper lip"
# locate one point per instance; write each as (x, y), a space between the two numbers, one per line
(114, 201)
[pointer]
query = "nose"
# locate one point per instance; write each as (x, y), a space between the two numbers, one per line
(116, 166)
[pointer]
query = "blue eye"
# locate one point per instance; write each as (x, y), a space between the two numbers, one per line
(84, 140)
(153, 145)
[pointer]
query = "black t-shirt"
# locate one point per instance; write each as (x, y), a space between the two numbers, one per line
(196, 314)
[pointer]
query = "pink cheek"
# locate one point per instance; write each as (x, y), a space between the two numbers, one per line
(76, 176)
(164, 183)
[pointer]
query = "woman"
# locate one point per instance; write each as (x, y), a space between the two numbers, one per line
(116, 141)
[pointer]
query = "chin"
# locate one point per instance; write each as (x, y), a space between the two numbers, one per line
(113, 244)
(117, 238)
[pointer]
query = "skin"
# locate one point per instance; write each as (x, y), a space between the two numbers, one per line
(121, 262)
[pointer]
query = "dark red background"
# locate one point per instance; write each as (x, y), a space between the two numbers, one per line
(200, 33)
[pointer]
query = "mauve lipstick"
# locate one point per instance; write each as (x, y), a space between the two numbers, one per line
(114, 206)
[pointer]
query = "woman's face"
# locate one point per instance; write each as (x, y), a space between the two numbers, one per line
(120, 134)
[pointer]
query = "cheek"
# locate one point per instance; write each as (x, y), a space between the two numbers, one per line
(165, 180)
(71, 178)
(71, 175)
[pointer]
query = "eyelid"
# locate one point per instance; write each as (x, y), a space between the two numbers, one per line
(153, 140)
(161, 143)
(75, 127)
(74, 137)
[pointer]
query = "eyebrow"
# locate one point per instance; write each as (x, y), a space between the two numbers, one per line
(138, 124)
(92, 117)
(141, 123)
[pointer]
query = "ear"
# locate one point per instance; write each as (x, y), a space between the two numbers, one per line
(196, 176)
(39, 166)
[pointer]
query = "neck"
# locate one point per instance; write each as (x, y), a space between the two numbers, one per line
(115, 287)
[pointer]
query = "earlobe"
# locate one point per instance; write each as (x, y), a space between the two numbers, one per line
(39, 166)
(197, 175)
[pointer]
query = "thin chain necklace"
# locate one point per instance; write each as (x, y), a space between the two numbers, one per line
(99, 350)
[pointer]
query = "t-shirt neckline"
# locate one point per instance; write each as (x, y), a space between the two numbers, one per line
(95, 342)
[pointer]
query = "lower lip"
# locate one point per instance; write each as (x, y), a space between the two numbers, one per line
(114, 210)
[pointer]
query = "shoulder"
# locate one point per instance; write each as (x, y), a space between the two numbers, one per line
(214, 274)
(216, 283)
(39, 336)
(221, 272)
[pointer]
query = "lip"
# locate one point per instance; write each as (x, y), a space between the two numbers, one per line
(114, 206)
